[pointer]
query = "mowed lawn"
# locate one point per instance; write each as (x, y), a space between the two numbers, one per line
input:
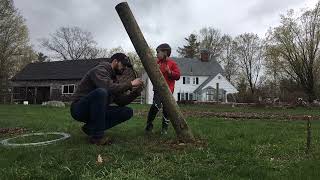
(229, 148)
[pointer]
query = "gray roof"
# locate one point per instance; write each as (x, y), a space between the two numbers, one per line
(195, 67)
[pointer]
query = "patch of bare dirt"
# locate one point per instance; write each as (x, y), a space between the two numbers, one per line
(249, 115)
(240, 115)
(12, 131)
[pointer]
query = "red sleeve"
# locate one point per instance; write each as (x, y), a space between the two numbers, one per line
(175, 71)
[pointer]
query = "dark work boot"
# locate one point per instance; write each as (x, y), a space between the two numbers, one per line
(84, 129)
(164, 130)
(149, 128)
(165, 125)
(104, 140)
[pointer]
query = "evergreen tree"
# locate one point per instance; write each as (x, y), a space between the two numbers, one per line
(191, 50)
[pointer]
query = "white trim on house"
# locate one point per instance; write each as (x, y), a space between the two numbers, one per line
(68, 85)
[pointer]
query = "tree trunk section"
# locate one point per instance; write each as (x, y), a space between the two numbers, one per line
(179, 124)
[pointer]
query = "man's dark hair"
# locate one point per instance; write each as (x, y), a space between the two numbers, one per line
(122, 58)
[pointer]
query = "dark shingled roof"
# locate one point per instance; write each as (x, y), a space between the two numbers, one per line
(195, 67)
(57, 70)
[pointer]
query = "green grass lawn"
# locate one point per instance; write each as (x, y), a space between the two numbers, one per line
(236, 149)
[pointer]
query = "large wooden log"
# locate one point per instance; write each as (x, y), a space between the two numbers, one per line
(179, 124)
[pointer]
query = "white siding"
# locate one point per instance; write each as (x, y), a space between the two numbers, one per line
(189, 88)
(149, 89)
(179, 87)
(223, 84)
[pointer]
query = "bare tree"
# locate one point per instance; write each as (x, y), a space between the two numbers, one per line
(102, 53)
(274, 69)
(274, 66)
(211, 39)
(71, 43)
(228, 58)
(297, 42)
(118, 49)
(249, 51)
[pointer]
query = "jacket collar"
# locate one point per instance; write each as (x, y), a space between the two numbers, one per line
(163, 60)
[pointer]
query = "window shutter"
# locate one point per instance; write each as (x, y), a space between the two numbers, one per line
(197, 80)
(184, 80)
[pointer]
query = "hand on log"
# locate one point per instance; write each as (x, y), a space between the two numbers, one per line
(137, 82)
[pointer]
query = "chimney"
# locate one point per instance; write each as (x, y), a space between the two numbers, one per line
(204, 55)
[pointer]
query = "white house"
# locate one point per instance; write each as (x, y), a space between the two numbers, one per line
(199, 81)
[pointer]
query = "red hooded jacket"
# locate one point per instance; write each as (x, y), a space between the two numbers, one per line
(175, 72)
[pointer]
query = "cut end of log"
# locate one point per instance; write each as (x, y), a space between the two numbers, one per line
(121, 4)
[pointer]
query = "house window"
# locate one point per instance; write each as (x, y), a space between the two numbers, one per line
(186, 80)
(219, 77)
(68, 89)
(182, 96)
(210, 94)
(191, 96)
(195, 80)
(185, 96)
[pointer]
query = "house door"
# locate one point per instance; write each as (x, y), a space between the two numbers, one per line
(31, 91)
(43, 94)
(210, 94)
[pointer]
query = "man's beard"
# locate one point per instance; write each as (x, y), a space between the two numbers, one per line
(118, 72)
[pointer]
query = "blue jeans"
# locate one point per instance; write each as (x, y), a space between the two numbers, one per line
(95, 112)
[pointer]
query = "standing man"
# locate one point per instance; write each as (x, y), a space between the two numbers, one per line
(96, 91)
(171, 73)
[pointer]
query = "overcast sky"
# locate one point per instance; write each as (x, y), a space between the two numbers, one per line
(160, 20)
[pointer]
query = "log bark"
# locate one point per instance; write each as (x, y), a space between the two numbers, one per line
(149, 63)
